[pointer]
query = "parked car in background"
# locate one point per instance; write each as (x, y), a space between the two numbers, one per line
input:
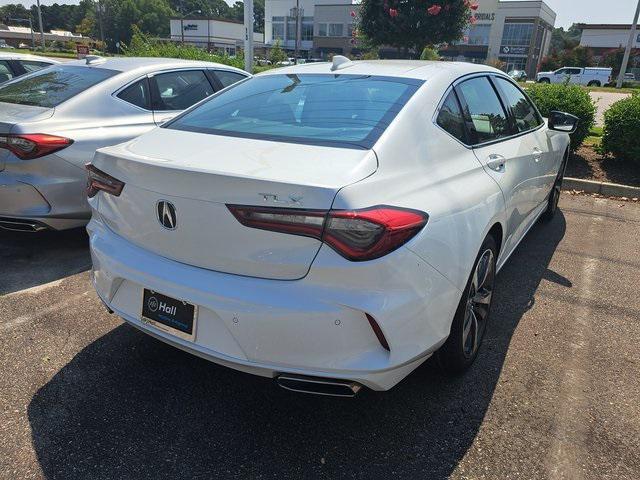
(518, 75)
(52, 121)
(13, 65)
(4, 44)
(283, 228)
(591, 76)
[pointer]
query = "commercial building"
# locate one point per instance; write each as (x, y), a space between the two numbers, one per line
(215, 35)
(604, 37)
(14, 36)
(517, 33)
(324, 28)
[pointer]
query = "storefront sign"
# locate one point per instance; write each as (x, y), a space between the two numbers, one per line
(190, 26)
(514, 50)
(485, 17)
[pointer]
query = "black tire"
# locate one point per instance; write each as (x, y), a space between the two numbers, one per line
(544, 80)
(593, 83)
(461, 348)
(556, 191)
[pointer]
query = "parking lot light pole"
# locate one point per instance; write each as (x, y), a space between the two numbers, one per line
(248, 35)
(627, 52)
(40, 22)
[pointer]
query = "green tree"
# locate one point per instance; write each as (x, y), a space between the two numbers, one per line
(410, 24)
(276, 54)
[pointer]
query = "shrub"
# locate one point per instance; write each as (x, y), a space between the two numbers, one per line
(143, 46)
(621, 134)
(429, 53)
(572, 99)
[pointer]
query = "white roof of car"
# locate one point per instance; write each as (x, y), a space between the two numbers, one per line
(418, 69)
(141, 64)
(25, 56)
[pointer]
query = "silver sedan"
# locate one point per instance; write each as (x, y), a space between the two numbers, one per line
(52, 121)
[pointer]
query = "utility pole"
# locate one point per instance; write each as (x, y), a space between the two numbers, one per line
(40, 22)
(627, 52)
(33, 38)
(99, 5)
(248, 36)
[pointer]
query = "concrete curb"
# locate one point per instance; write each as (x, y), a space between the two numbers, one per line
(602, 188)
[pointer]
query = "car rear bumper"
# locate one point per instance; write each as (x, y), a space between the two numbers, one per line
(315, 326)
(47, 190)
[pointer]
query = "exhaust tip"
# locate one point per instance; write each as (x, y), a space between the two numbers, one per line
(319, 386)
(21, 225)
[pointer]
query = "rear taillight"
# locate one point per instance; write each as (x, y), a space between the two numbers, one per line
(33, 145)
(357, 235)
(100, 181)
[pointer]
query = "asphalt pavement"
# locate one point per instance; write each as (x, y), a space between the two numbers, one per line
(554, 393)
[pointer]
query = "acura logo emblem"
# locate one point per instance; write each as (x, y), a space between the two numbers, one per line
(167, 215)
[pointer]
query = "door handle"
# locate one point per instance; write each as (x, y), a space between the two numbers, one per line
(496, 162)
(537, 154)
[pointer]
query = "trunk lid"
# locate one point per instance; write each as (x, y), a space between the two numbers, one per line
(12, 114)
(199, 174)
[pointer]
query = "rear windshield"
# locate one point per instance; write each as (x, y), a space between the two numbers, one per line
(341, 110)
(52, 86)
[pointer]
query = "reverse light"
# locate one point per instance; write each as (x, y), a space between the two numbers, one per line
(101, 181)
(33, 145)
(357, 235)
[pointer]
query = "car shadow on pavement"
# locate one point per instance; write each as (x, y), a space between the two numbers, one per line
(130, 407)
(32, 259)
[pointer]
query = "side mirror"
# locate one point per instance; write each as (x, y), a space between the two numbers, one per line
(563, 122)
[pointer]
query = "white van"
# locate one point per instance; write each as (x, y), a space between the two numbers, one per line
(590, 76)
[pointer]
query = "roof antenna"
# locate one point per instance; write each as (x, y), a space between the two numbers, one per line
(340, 62)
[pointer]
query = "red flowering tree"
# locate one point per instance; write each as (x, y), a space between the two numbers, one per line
(409, 25)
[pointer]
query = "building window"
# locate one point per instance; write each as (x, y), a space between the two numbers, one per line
(478, 35)
(277, 28)
(307, 28)
(336, 29)
(322, 29)
(291, 28)
(517, 34)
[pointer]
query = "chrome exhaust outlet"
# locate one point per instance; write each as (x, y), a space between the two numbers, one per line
(319, 386)
(19, 225)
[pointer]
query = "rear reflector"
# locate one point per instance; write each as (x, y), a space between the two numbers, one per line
(378, 331)
(100, 181)
(33, 145)
(357, 235)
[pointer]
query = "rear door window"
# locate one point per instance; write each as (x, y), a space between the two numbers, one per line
(33, 66)
(181, 89)
(6, 73)
(49, 88)
(483, 108)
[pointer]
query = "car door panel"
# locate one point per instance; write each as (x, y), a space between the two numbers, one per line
(506, 157)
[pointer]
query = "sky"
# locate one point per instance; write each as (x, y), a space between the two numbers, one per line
(569, 11)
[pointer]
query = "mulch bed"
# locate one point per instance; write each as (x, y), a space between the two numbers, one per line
(587, 164)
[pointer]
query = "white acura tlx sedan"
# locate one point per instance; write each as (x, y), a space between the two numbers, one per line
(328, 225)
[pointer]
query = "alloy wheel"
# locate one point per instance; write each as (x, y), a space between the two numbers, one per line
(478, 303)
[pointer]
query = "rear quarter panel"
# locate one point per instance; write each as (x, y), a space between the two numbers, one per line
(424, 168)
